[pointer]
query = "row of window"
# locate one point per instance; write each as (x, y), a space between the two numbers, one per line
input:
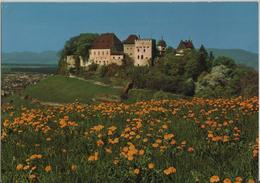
(100, 52)
(142, 47)
(141, 57)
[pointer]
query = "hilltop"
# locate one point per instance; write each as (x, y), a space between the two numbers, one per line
(240, 56)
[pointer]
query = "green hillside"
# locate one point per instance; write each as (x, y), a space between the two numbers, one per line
(240, 56)
(64, 90)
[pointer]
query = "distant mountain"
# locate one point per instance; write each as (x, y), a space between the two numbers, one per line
(240, 56)
(46, 57)
(51, 57)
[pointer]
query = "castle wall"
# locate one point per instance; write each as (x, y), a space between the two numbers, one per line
(129, 49)
(71, 61)
(99, 56)
(143, 52)
(104, 57)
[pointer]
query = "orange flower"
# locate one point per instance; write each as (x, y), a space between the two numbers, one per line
(93, 157)
(238, 179)
(151, 165)
(48, 168)
(227, 180)
(250, 181)
(141, 152)
(19, 167)
(214, 179)
(73, 168)
(136, 171)
(32, 176)
(26, 167)
(169, 170)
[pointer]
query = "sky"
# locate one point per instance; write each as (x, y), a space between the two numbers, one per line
(40, 27)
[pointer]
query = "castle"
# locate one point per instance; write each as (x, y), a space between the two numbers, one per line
(108, 49)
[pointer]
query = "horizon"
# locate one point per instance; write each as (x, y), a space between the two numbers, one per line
(215, 25)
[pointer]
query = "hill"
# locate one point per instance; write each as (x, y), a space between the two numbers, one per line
(240, 56)
(46, 57)
(63, 90)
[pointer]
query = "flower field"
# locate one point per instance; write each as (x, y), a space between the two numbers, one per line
(182, 140)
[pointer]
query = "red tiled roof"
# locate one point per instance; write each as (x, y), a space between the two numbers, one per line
(131, 39)
(108, 41)
(185, 44)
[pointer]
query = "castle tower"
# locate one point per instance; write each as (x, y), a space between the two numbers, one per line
(161, 47)
(144, 52)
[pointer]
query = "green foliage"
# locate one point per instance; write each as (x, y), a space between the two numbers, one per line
(78, 46)
(226, 61)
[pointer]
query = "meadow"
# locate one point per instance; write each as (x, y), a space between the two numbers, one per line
(170, 140)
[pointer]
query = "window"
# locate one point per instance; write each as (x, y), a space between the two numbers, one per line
(142, 57)
(147, 46)
(138, 57)
(98, 53)
(102, 52)
(113, 57)
(94, 52)
(144, 50)
(137, 50)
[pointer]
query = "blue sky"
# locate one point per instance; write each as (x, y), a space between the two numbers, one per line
(46, 26)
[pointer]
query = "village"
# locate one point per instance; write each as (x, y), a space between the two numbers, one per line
(16, 82)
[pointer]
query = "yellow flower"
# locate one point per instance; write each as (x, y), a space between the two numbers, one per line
(136, 171)
(32, 176)
(214, 179)
(227, 180)
(141, 152)
(238, 179)
(151, 165)
(73, 168)
(26, 167)
(250, 181)
(169, 170)
(19, 167)
(48, 168)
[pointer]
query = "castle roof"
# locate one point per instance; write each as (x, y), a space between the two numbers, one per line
(185, 44)
(108, 41)
(130, 39)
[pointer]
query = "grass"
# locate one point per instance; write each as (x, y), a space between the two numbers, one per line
(72, 134)
(62, 89)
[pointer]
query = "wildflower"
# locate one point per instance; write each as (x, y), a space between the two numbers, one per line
(227, 180)
(238, 179)
(93, 157)
(115, 162)
(136, 171)
(19, 167)
(250, 181)
(48, 168)
(151, 165)
(32, 176)
(26, 167)
(141, 152)
(169, 170)
(73, 168)
(214, 179)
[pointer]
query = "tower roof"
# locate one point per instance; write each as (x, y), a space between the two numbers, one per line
(185, 44)
(130, 39)
(161, 43)
(108, 41)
